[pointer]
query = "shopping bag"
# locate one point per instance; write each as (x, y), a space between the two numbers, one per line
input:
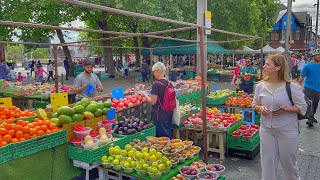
(176, 117)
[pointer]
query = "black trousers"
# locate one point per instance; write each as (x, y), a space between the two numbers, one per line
(314, 96)
(145, 76)
(50, 75)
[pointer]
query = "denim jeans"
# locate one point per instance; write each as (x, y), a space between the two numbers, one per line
(314, 96)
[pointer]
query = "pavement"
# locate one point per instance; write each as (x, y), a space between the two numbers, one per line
(242, 169)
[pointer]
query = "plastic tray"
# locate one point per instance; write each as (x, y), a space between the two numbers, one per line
(243, 144)
(142, 135)
(69, 129)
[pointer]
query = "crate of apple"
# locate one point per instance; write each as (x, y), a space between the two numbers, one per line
(127, 102)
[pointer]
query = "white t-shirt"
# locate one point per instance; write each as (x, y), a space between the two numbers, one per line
(50, 67)
(13, 74)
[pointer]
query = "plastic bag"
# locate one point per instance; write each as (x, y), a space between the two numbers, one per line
(89, 89)
(176, 117)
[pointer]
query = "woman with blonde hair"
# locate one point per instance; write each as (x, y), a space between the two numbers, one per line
(279, 131)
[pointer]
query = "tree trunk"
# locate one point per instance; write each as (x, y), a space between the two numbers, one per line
(103, 24)
(136, 44)
(66, 52)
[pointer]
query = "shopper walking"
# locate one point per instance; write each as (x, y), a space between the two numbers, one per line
(40, 73)
(144, 71)
(50, 70)
(247, 75)
(235, 80)
(279, 130)
(310, 77)
(300, 65)
(126, 68)
(66, 67)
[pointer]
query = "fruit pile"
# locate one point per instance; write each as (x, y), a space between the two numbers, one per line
(131, 126)
(88, 139)
(243, 100)
(14, 112)
(246, 131)
(23, 130)
(220, 94)
(127, 102)
(82, 110)
(215, 168)
(189, 171)
(215, 121)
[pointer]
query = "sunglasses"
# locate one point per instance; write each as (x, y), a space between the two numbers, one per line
(248, 61)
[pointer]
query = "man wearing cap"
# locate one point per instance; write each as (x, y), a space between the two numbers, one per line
(310, 77)
(247, 74)
(87, 79)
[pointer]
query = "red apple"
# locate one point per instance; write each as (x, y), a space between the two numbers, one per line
(236, 133)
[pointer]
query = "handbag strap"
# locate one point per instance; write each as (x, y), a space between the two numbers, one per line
(288, 89)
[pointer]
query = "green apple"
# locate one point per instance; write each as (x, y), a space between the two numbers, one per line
(159, 155)
(133, 164)
(117, 151)
(105, 161)
(118, 157)
(168, 163)
(154, 170)
(129, 160)
(153, 158)
(136, 152)
(145, 166)
(164, 159)
(128, 147)
(130, 153)
(134, 149)
(155, 164)
(116, 162)
(139, 167)
(142, 161)
(124, 153)
(126, 165)
(104, 158)
(150, 169)
(144, 150)
(110, 158)
(139, 155)
(152, 151)
(111, 150)
(146, 156)
(161, 167)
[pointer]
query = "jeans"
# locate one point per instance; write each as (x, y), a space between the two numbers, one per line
(314, 96)
(50, 75)
(126, 72)
(67, 73)
(144, 76)
(248, 88)
(5, 77)
(40, 78)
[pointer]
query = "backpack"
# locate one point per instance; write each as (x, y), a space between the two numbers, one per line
(169, 98)
(309, 113)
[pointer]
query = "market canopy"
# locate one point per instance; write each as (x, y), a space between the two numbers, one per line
(280, 49)
(267, 50)
(212, 48)
(245, 50)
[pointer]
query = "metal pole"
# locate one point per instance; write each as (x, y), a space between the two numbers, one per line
(288, 32)
(316, 42)
(201, 8)
(55, 60)
(261, 55)
(151, 64)
(203, 91)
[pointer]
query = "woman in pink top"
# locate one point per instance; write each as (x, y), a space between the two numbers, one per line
(20, 77)
(40, 73)
(279, 130)
(240, 63)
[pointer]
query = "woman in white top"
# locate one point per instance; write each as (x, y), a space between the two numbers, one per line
(279, 131)
(300, 65)
(50, 70)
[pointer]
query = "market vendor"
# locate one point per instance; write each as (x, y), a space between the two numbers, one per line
(162, 119)
(87, 83)
(248, 76)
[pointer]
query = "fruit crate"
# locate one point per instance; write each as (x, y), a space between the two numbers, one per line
(129, 113)
(257, 119)
(29, 119)
(233, 128)
(243, 144)
(69, 129)
(5, 153)
(142, 135)
(93, 156)
(93, 123)
(40, 104)
(32, 146)
(244, 154)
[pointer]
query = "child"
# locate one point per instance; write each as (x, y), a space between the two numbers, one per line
(20, 77)
(40, 73)
(13, 74)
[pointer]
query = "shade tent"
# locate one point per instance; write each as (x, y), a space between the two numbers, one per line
(280, 49)
(267, 50)
(245, 50)
(185, 49)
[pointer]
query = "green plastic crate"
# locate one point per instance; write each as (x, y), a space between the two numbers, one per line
(40, 104)
(93, 156)
(234, 128)
(257, 119)
(24, 148)
(242, 144)
(5, 153)
(29, 119)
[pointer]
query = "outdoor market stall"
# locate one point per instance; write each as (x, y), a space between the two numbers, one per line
(97, 146)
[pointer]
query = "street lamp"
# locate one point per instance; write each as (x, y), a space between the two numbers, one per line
(317, 16)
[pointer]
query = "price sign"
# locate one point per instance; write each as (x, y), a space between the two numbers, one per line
(59, 99)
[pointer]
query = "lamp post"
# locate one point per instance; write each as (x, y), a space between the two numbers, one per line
(317, 16)
(288, 32)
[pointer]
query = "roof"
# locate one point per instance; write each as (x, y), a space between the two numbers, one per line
(301, 17)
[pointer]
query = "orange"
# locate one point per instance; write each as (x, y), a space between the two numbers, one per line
(37, 128)
(48, 132)
(52, 126)
(39, 123)
(54, 130)
(14, 140)
(7, 138)
(33, 131)
(22, 139)
(19, 134)
(33, 136)
(19, 122)
(30, 125)
(10, 121)
(36, 120)
(46, 122)
(17, 128)
(44, 128)
(11, 133)
(3, 143)
(40, 133)
(25, 123)
(26, 129)
(3, 131)
(26, 136)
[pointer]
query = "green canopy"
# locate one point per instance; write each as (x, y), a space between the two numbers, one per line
(212, 48)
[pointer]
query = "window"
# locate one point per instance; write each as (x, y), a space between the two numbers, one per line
(275, 36)
(296, 35)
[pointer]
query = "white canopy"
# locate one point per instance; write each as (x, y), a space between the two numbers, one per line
(280, 49)
(267, 50)
(245, 50)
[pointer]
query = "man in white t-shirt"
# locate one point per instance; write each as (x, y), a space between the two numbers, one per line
(300, 63)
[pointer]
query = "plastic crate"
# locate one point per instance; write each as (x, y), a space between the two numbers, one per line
(142, 135)
(40, 104)
(243, 144)
(233, 128)
(5, 153)
(93, 156)
(244, 154)
(24, 148)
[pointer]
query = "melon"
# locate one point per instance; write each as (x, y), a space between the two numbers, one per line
(64, 119)
(77, 117)
(97, 113)
(91, 107)
(79, 109)
(88, 115)
(65, 110)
